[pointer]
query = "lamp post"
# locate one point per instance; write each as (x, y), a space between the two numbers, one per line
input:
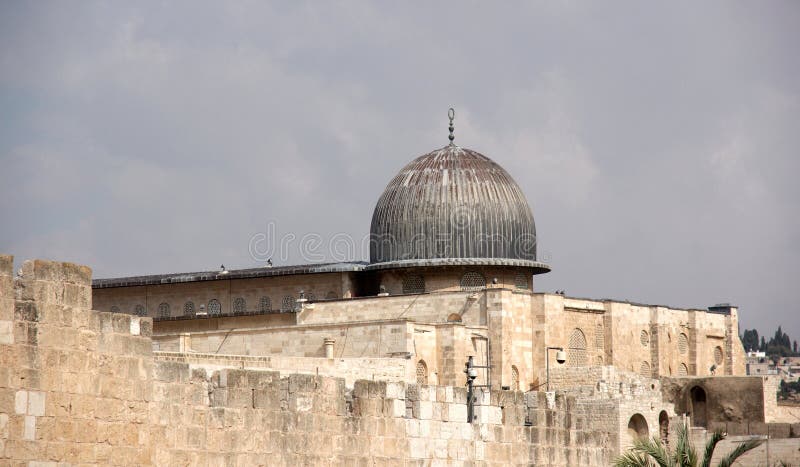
(561, 357)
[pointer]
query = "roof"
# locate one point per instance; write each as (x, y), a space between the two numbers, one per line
(158, 279)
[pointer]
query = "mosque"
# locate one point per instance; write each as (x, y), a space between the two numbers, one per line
(451, 275)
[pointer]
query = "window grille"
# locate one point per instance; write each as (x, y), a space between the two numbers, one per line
(413, 283)
(140, 311)
(188, 309)
(163, 310)
(239, 305)
(265, 304)
(576, 353)
(472, 281)
(214, 307)
(422, 372)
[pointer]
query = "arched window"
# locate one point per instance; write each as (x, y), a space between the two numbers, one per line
(718, 355)
(697, 400)
(422, 373)
(239, 305)
(521, 281)
(644, 338)
(214, 307)
(644, 370)
(413, 283)
(514, 378)
(683, 370)
(311, 297)
(576, 353)
(140, 311)
(472, 281)
(287, 304)
(265, 304)
(637, 427)
(188, 309)
(115, 309)
(683, 344)
(663, 427)
(331, 295)
(163, 310)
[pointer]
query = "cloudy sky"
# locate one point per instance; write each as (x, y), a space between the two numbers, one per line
(657, 144)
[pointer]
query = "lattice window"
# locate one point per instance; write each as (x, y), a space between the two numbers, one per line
(214, 307)
(422, 372)
(644, 370)
(683, 370)
(188, 309)
(598, 360)
(514, 378)
(599, 337)
(644, 338)
(718, 355)
(413, 283)
(683, 344)
(331, 295)
(521, 281)
(265, 304)
(140, 311)
(472, 280)
(239, 305)
(163, 310)
(115, 309)
(311, 297)
(287, 304)
(576, 353)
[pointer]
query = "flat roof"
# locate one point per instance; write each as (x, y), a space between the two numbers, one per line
(159, 279)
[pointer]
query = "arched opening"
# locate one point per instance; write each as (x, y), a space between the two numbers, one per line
(637, 427)
(698, 407)
(576, 353)
(514, 378)
(454, 318)
(663, 426)
(188, 309)
(422, 373)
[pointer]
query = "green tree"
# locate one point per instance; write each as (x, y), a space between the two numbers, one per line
(649, 452)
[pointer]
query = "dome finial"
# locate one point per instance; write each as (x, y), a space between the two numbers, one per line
(451, 114)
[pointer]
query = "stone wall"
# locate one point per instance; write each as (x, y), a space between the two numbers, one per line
(81, 387)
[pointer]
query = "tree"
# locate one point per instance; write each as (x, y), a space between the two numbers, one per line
(648, 452)
(750, 339)
(795, 347)
(763, 346)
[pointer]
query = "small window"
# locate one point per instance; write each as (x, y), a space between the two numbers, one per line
(683, 344)
(576, 353)
(644, 370)
(422, 373)
(413, 283)
(514, 378)
(265, 304)
(214, 307)
(287, 304)
(188, 309)
(140, 311)
(454, 318)
(599, 337)
(163, 310)
(718, 355)
(644, 338)
(239, 305)
(311, 297)
(115, 309)
(683, 370)
(472, 281)
(521, 281)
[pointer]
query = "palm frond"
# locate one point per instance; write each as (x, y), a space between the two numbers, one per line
(684, 455)
(632, 458)
(740, 450)
(655, 449)
(716, 437)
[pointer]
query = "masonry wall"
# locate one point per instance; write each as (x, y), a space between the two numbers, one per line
(83, 387)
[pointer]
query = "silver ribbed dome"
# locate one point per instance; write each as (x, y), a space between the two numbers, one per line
(453, 206)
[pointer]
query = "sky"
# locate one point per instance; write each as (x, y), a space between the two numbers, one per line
(657, 143)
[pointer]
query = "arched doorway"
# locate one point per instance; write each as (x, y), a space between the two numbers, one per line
(663, 427)
(637, 427)
(698, 407)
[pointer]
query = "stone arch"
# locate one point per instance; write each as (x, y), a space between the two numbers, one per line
(663, 426)
(698, 407)
(239, 305)
(163, 310)
(188, 309)
(454, 318)
(422, 373)
(413, 284)
(644, 338)
(644, 370)
(514, 378)
(472, 281)
(576, 352)
(637, 427)
(683, 344)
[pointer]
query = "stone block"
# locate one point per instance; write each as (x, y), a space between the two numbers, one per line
(29, 432)
(6, 265)
(423, 410)
(21, 402)
(6, 332)
(398, 408)
(36, 403)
